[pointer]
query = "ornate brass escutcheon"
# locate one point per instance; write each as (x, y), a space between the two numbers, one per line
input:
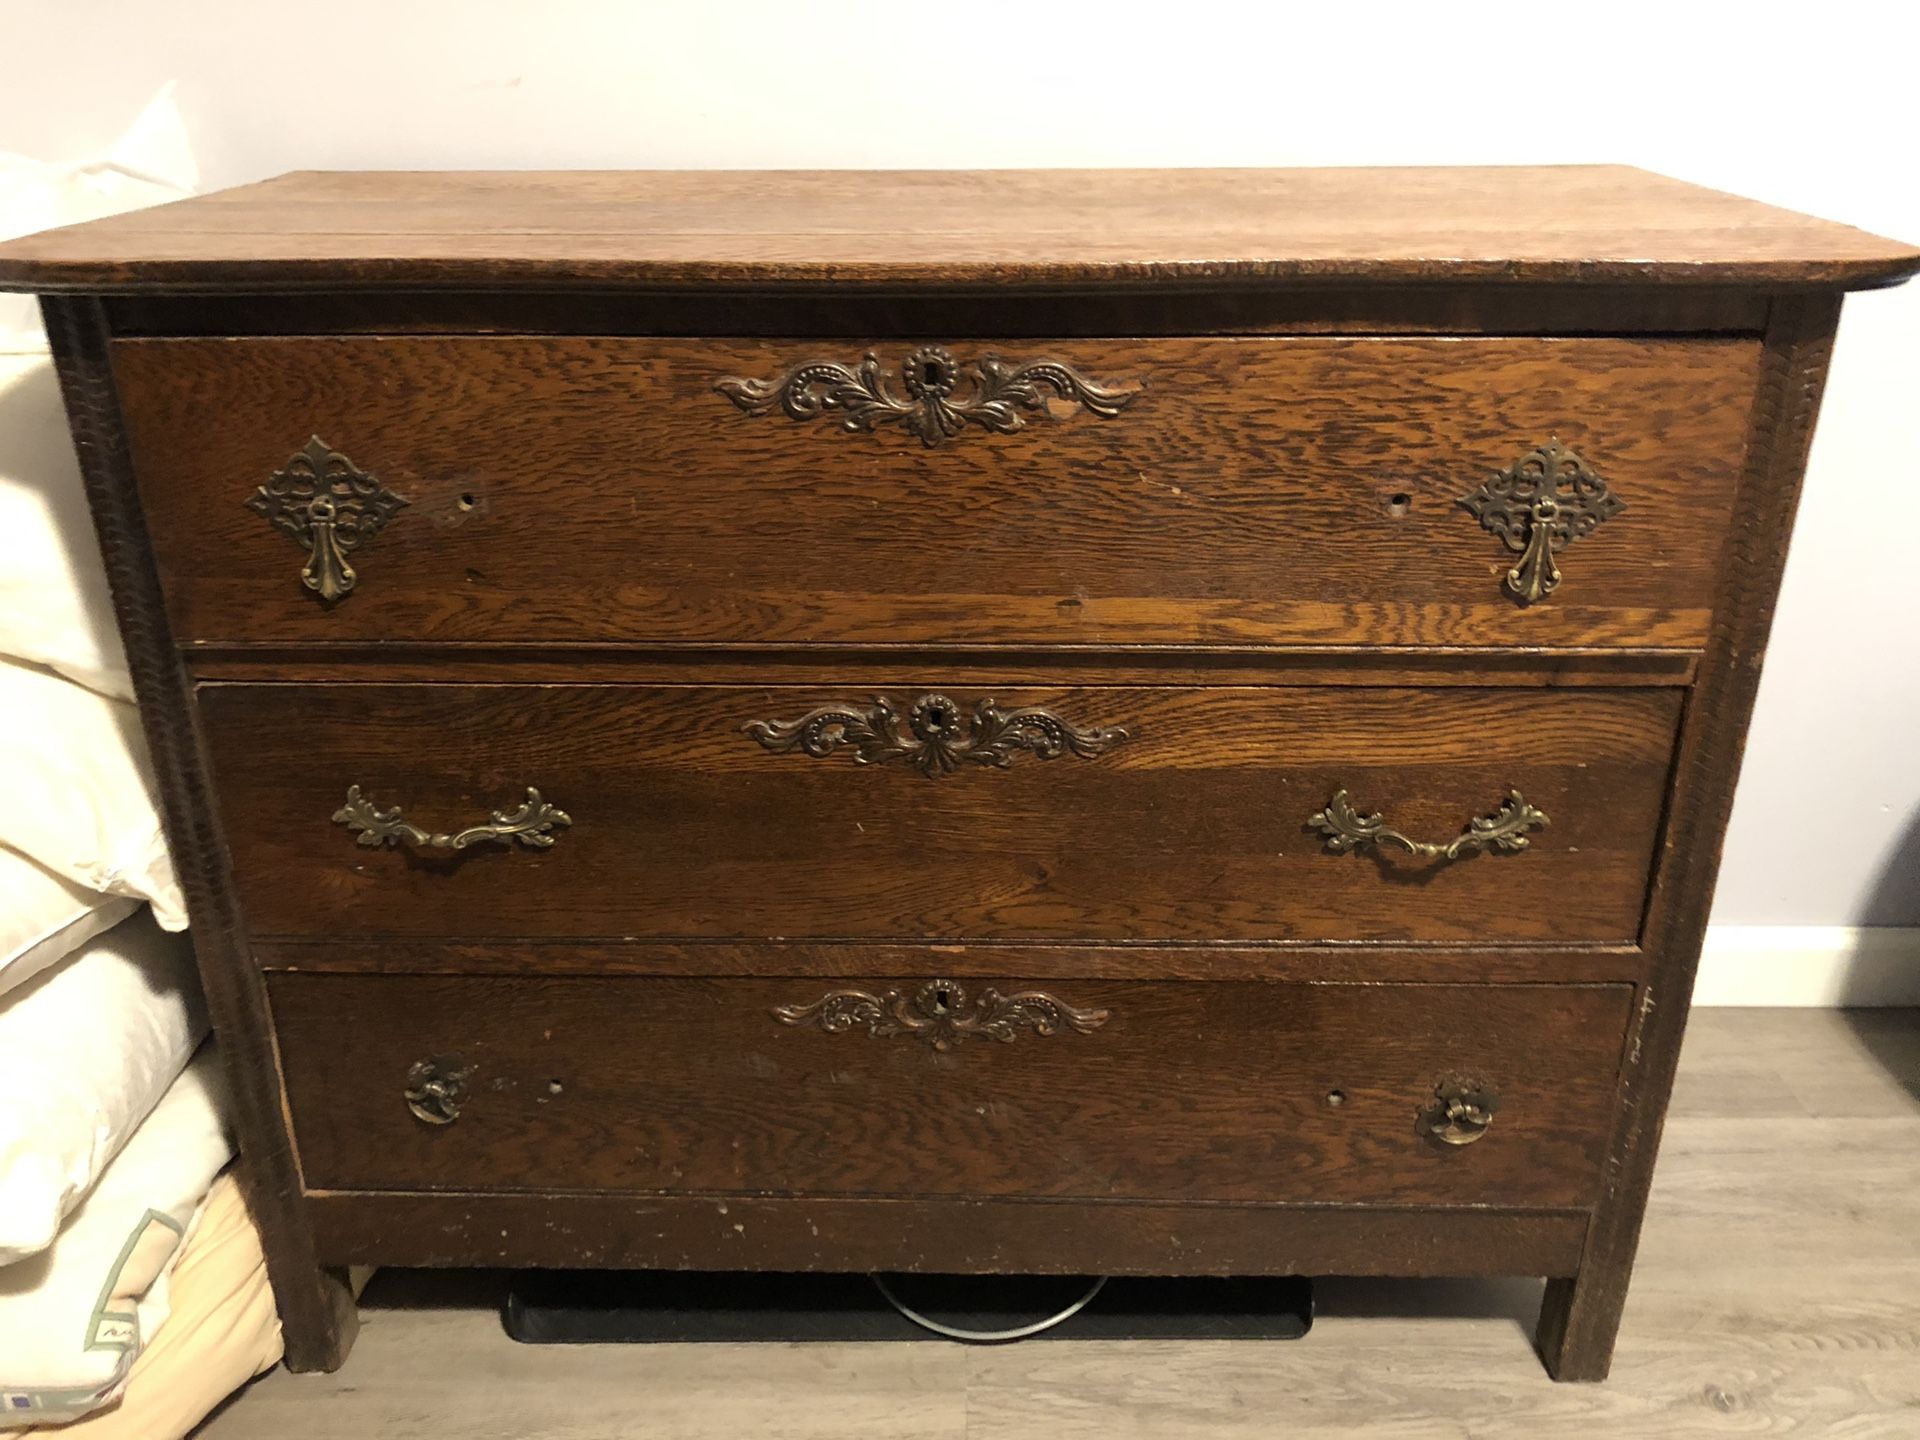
(937, 737)
(437, 1088)
(1506, 829)
(1539, 505)
(1460, 1113)
(941, 1014)
(531, 824)
(998, 392)
(322, 500)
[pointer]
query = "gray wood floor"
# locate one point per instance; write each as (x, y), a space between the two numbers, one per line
(1778, 1292)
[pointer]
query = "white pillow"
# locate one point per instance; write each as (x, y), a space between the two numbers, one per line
(73, 1319)
(78, 794)
(43, 917)
(55, 609)
(86, 1051)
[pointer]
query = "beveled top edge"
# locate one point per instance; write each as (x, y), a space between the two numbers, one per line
(1022, 228)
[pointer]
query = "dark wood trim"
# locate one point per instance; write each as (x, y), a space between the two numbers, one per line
(881, 664)
(403, 275)
(316, 1309)
(1004, 312)
(1582, 1314)
(732, 1232)
(1356, 963)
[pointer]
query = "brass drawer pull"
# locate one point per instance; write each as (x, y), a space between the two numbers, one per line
(322, 500)
(437, 1088)
(1505, 829)
(937, 738)
(531, 825)
(1539, 505)
(1461, 1112)
(940, 1014)
(998, 392)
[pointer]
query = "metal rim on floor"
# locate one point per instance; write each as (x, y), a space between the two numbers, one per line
(986, 1337)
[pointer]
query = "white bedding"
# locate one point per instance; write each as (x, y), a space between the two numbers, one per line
(86, 1051)
(44, 918)
(73, 1318)
(80, 797)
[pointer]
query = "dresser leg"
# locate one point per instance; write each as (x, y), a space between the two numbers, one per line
(1577, 1327)
(319, 1323)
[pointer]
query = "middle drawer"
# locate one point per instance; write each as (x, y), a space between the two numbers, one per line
(786, 812)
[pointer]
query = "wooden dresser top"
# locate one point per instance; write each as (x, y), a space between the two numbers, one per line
(1559, 225)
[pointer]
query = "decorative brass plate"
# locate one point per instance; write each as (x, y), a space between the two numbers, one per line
(1506, 829)
(1542, 503)
(939, 1013)
(940, 740)
(930, 409)
(322, 500)
(532, 824)
(437, 1088)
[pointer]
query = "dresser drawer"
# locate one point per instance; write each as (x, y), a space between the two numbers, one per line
(1250, 491)
(1400, 1094)
(747, 812)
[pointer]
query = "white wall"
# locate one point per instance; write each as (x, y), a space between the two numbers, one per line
(1808, 106)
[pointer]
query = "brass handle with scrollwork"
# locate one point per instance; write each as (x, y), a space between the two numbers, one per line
(1506, 829)
(1460, 1113)
(532, 825)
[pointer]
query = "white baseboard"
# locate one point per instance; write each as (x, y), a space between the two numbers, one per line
(1808, 965)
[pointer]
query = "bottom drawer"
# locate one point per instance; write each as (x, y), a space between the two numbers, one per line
(1062, 1089)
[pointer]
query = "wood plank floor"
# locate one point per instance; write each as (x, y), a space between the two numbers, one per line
(1778, 1293)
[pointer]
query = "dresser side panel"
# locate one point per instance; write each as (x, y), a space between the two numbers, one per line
(317, 1312)
(1582, 1314)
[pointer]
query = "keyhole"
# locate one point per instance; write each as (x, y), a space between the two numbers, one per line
(938, 716)
(932, 374)
(942, 1000)
(467, 502)
(1399, 504)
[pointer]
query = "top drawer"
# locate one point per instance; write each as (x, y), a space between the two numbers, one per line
(1254, 491)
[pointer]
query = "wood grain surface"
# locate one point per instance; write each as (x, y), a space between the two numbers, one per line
(1255, 567)
(1194, 828)
(880, 667)
(1794, 1135)
(1530, 963)
(1519, 224)
(1257, 492)
(1006, 312)
(1198, 1091)
(626, 1230)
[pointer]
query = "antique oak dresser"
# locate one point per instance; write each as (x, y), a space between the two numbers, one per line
(1080, 722)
